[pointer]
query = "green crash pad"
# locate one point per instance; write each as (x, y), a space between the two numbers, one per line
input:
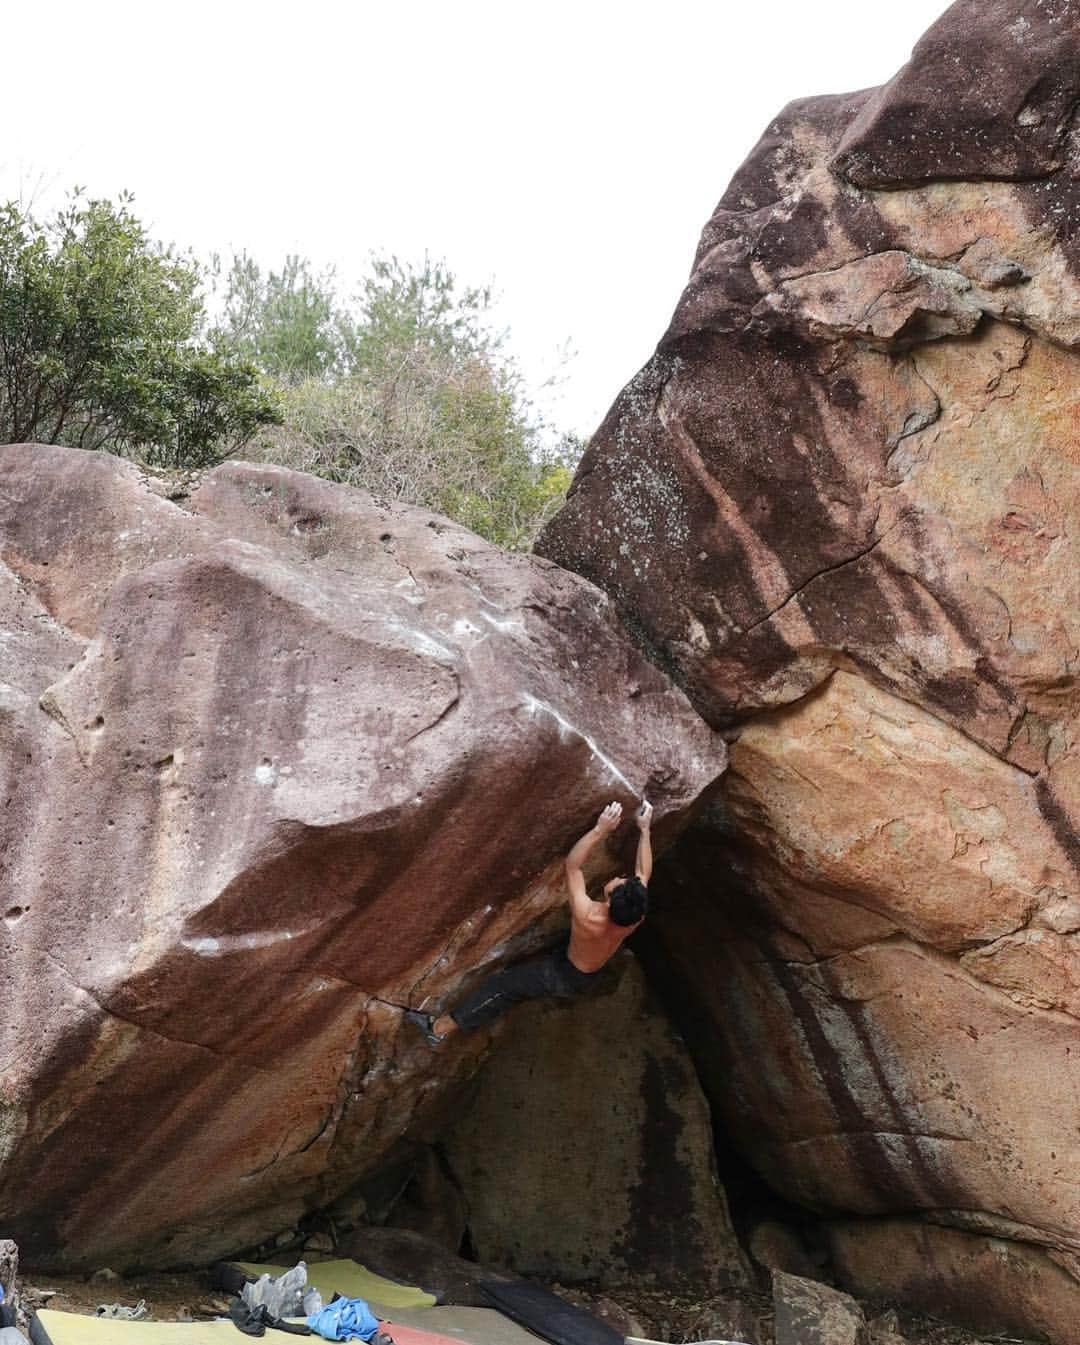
(472, 1326)
(352, 1280)
(50, 1327)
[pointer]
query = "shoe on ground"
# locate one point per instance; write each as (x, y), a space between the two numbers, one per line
(123, 1311)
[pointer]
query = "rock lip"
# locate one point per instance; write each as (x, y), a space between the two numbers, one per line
(990, 92)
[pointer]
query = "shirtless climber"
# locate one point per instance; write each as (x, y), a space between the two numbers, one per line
(597, 929)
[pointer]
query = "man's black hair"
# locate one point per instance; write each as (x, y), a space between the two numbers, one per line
(629, 902)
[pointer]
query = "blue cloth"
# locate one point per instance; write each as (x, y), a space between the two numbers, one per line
(344, 1319)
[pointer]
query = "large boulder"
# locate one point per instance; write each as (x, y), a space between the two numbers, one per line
(277, 762)
(840, 507)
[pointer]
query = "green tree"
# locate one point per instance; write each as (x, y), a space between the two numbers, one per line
(419, 309)
(99, 342)
(287, 322)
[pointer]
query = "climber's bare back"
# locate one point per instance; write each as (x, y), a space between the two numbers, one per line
(594, 936)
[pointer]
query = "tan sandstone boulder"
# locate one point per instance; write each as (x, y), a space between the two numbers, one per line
(848, 959)
(277, 764)
(840, 506)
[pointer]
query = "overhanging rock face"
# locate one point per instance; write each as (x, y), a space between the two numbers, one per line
(275, 764)
(840, 505)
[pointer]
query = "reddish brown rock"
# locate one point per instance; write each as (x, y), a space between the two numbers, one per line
(990, 92)
(276, 764)
(776, 1246)
(840, 507)
(997, 1285)
(809, 1313)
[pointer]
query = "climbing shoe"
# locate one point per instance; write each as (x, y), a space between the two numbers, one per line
(426, 1025)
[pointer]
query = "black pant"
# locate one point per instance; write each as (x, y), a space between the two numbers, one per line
(549, 976)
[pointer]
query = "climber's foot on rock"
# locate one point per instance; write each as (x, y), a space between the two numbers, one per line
(426, 1025)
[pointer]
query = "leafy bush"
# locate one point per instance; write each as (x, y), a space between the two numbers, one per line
(407, 391)
(424, 406)
(98, 343)
(286, 322)
(425, 438)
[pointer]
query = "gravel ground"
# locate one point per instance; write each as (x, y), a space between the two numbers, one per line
(169, 1297)
(634, 1310)
(680, 1318)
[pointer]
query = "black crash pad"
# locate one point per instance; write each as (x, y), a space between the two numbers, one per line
(545, 1313)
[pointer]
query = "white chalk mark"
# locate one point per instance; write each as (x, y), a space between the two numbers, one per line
(421, 641)
(242, 943)
(410, 591)
(506, 625)
(464, 627)
(532, 704)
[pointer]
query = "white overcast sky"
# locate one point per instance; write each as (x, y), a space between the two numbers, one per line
(571, 152)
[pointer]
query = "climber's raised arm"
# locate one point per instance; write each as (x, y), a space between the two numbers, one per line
(597, 930)
(643, 864)
(575, 861)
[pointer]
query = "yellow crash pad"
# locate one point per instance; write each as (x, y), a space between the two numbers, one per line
(352, 1280)
(74, 1328)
